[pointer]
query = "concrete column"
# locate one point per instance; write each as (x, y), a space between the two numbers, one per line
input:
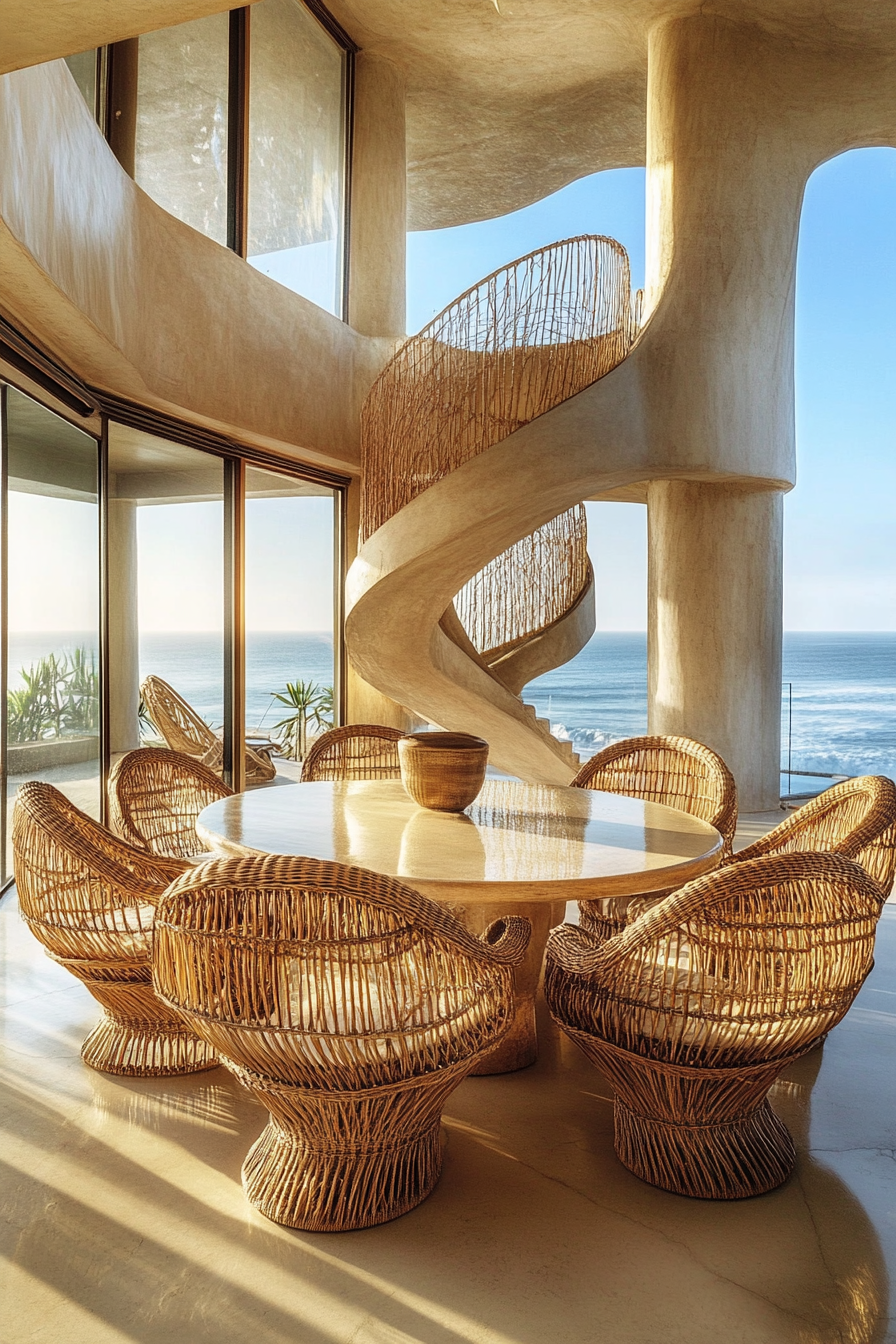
(723, 203)
(378, 227)
(714, 626)
(124, 662)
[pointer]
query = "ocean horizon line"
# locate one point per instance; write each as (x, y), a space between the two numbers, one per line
(328, 634)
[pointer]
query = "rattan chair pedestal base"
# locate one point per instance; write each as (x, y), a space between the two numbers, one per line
(743, 1157)
(138, 1035)
(707, 1133)
(341, 1161)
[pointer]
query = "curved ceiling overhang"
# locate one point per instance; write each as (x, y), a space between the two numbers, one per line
(508, 100)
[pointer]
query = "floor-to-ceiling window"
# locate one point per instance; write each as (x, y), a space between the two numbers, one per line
(289, 613)
(296, 151)
(120, 565)
(166, 583)
(181, 149)
(52, 574)
(242, 123)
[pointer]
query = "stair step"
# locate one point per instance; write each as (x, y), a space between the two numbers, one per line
(544, 727)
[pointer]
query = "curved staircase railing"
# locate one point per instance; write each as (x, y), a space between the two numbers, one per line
(526, 338)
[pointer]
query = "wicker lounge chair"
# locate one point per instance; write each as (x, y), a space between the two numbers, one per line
(671, 770)
(184, 731)
(90, 899)
(358, 751)
(155, 797)
(856, 817)
(351, 1007)
(696, 1008)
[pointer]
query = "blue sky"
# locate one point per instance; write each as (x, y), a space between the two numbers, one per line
(840, 556)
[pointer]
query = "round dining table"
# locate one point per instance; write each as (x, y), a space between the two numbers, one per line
(518, 849)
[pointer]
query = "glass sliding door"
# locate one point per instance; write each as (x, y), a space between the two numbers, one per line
(160, 679)
(290, 529)
(297, 136)
(52, 654)
(166, 592)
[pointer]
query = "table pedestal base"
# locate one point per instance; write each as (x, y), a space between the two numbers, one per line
(519, 1048)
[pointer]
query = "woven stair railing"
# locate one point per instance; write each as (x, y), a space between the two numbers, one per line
(518, 343)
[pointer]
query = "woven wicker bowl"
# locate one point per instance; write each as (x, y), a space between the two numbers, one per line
(442, 771)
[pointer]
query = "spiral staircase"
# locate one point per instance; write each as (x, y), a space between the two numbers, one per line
(521, 342)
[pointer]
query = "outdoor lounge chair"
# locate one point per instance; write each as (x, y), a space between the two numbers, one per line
(184, 731)
(672, 770)
(351, 1007)
(155, 797)
(696, 1008)
(358, 751)
(90, 898)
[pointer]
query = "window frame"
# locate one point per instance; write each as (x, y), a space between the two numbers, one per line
(91, 412)
(238, 111)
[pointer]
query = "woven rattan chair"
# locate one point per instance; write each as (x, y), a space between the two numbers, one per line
(671, 770)
(185, 732)
(358, 751)
(155, 797)
(90, 899)
(695, 1009)
(351, 1007)
(856, 817)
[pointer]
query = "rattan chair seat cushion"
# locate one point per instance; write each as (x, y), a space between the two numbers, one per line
(699, 1013)
(94, 934)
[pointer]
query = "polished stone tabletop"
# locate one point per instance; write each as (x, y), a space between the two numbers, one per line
(529, 842)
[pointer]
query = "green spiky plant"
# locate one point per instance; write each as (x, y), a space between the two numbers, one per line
(311, 704)
(59, 697)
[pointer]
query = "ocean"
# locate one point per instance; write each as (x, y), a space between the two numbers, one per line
(838, 701)
(838, 696)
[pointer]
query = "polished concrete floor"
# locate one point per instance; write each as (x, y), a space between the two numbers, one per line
(123, 1217)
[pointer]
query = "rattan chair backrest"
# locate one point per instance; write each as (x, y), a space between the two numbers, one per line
(750, 962)
(155, 797)
(323, 975)
(357, 751)
(182, 728)
(856, 817)
(675, 771)
(84, 892)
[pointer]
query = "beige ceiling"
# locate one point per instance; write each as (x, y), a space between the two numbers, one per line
(508, 99)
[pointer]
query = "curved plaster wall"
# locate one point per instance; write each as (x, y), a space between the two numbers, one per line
(140, 305)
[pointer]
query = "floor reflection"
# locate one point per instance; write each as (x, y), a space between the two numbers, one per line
(125, 1218)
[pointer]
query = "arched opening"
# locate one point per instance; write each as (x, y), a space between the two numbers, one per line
(839, 702)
